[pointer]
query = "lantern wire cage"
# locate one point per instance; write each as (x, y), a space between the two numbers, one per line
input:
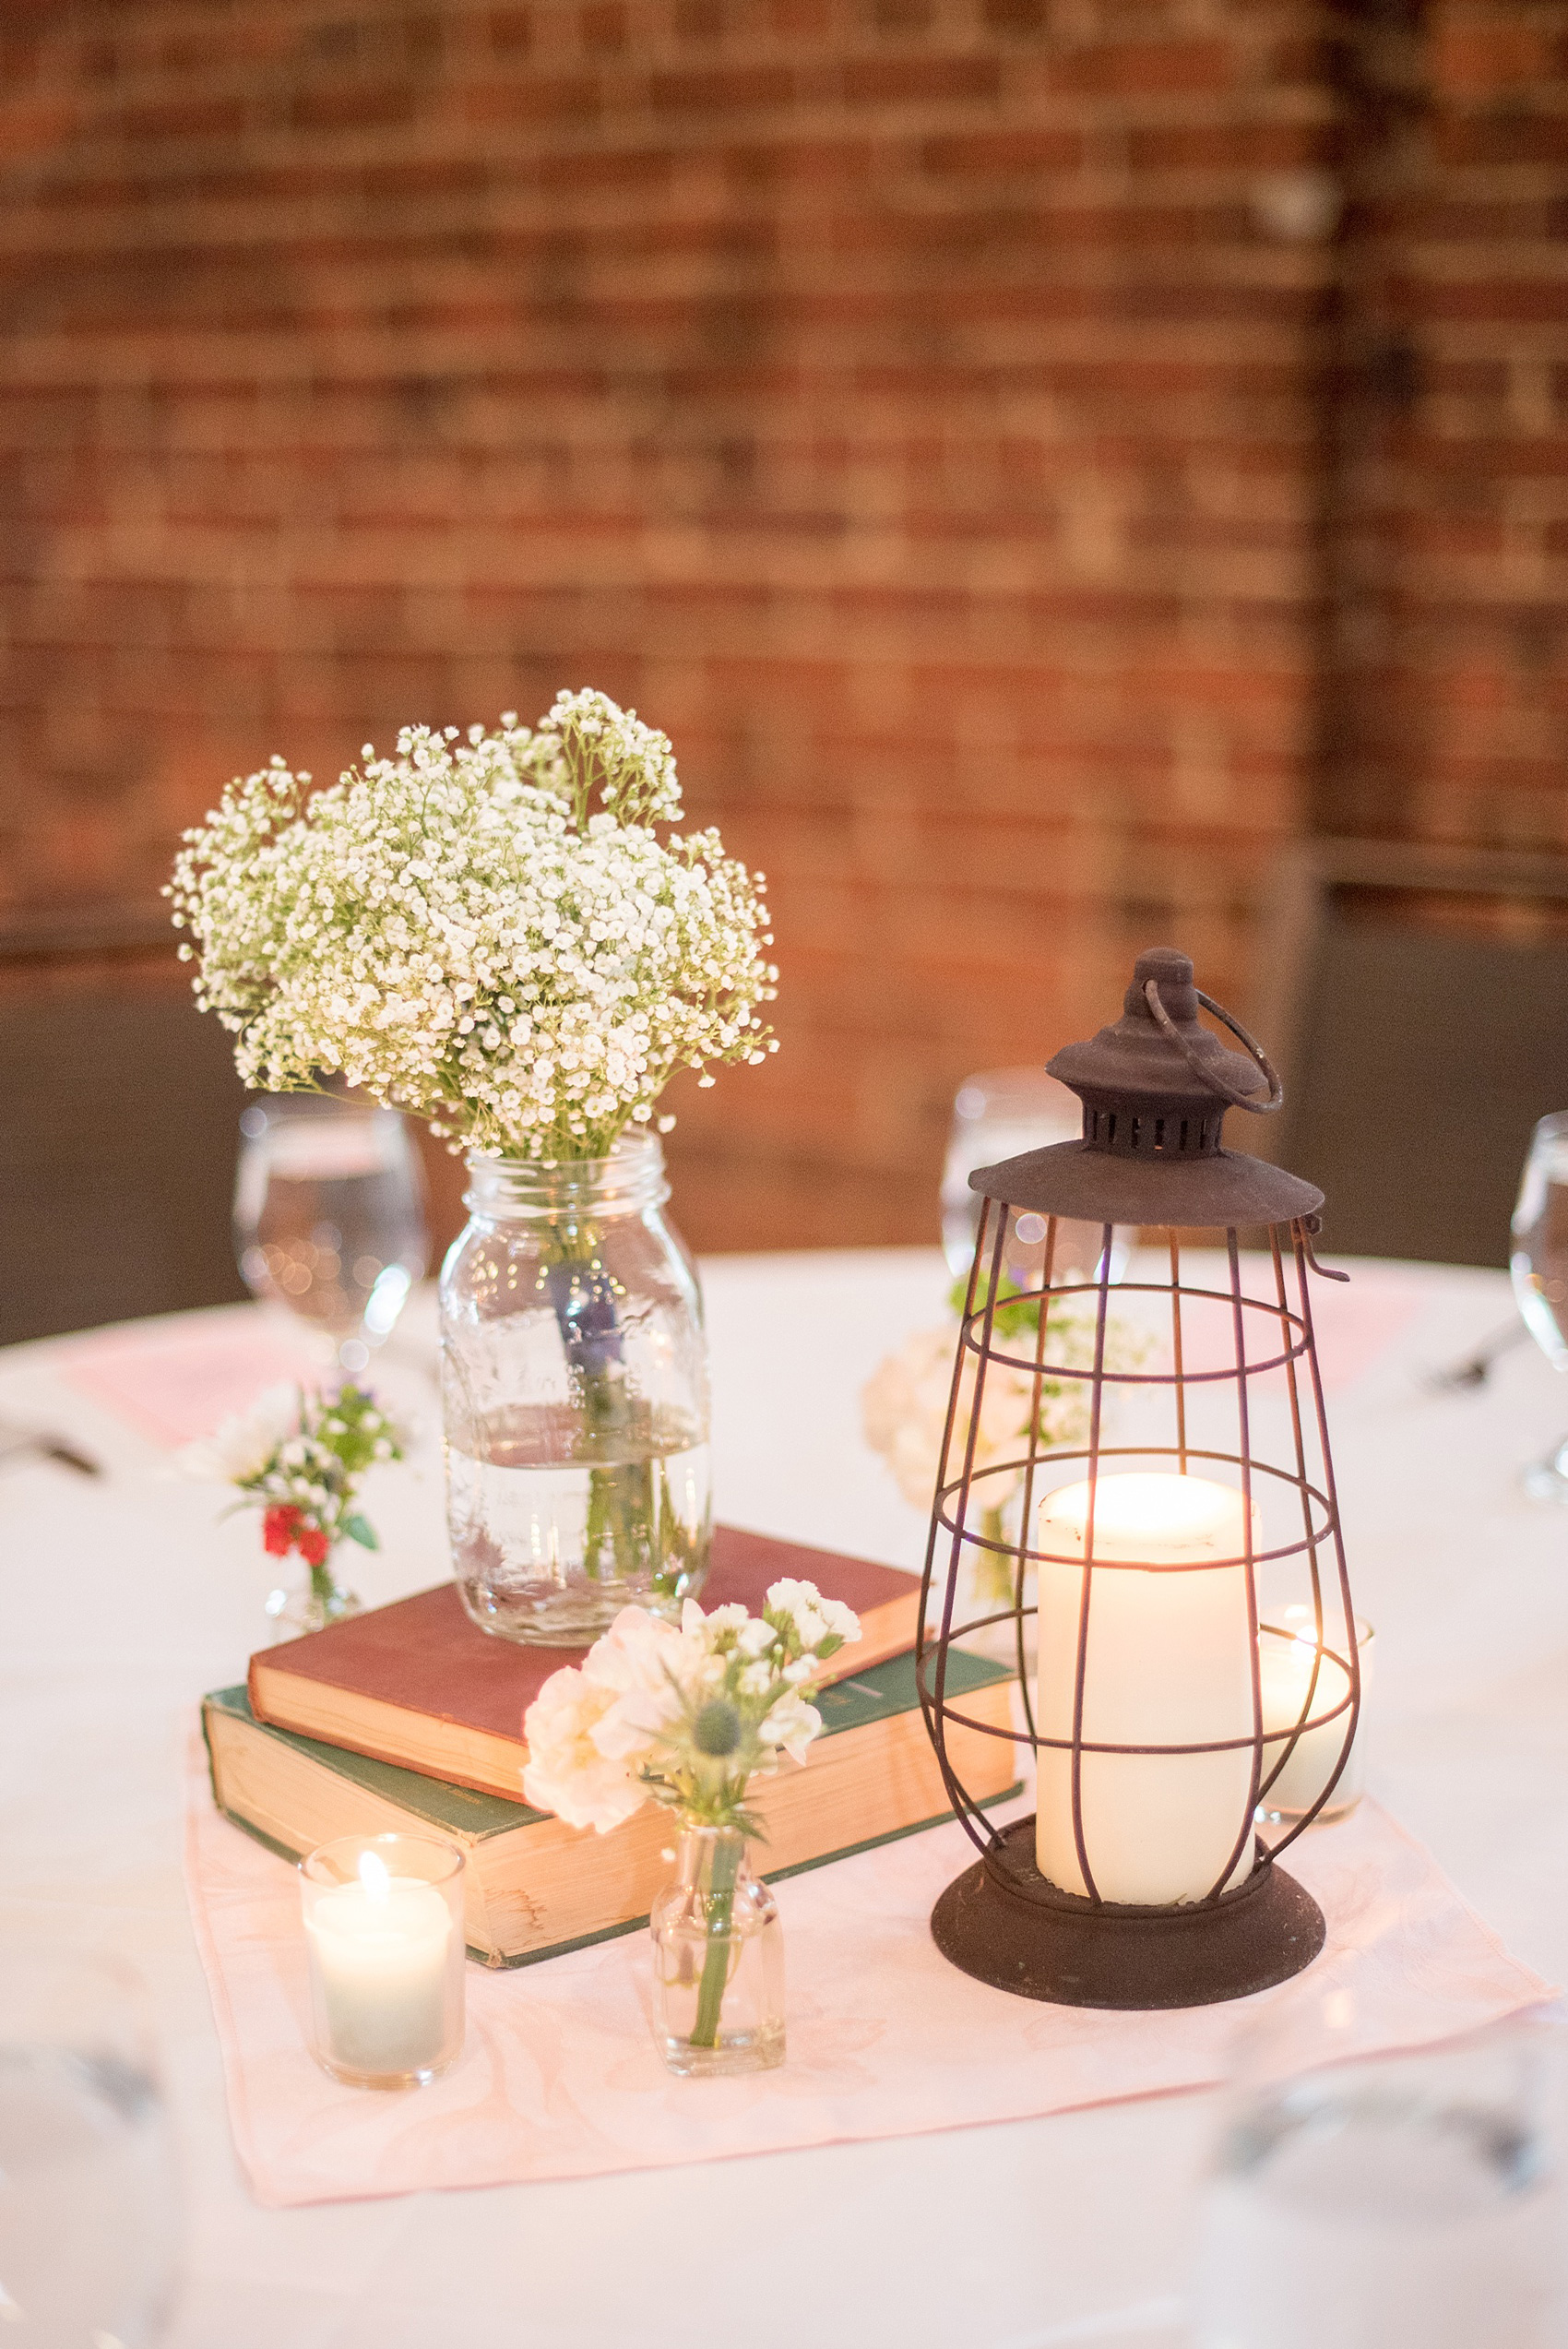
(1241, 1360)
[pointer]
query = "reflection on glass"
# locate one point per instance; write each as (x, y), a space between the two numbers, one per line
(88, 2218)
(996, 1114)
(1538, 1263)
(328, 1216)
(1395, 2201)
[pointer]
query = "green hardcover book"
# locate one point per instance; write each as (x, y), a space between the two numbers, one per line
(536, 1887)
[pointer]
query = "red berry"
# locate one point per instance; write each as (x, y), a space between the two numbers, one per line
(313, 1546)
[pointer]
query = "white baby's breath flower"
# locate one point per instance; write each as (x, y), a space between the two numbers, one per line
(489, 933)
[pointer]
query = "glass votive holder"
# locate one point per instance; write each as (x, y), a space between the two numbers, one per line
(383, 1932)
(1286, 1649)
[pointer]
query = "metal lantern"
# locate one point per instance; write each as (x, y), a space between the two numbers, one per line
(1172, 1486)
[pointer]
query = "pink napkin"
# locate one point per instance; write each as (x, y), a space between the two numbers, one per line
(173, 1382)
(560, 2078)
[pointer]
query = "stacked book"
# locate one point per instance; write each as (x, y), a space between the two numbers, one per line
(409, 1719)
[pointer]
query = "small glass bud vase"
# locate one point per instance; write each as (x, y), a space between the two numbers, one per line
(718, 1962)
(311, 1605)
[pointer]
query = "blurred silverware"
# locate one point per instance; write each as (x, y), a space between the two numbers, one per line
(1459, 1377)
(18, 1442)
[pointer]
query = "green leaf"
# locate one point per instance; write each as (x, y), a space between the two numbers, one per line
(359, 1530)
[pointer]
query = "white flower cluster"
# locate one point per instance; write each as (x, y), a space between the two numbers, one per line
(299, 1456)
(683, 1715)
(904, 1405)
(461, 931)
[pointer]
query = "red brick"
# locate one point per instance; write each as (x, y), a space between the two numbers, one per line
(908, 408)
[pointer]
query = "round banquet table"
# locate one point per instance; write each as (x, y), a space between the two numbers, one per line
(124, 1597)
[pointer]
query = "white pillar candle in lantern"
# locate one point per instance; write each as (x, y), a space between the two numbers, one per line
(1287, 1647)
(1168, 1663)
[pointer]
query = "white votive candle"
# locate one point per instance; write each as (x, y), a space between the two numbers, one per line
(385, 1957)
(1286, 1649)
(1168, 1663)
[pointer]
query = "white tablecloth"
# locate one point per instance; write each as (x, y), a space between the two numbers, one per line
(122, 1600)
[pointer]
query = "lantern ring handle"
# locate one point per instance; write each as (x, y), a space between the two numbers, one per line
(1211, 1077)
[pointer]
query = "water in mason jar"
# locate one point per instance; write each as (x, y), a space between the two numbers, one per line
(550, 1547)
(85, 2201)
(1371, 2220)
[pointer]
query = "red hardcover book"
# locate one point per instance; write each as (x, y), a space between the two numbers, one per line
(417, 1684)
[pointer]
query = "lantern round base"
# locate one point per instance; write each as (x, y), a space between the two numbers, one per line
(1001, 1922)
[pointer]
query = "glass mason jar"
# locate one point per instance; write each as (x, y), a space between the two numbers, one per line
(717, 1961)
(574, 1377)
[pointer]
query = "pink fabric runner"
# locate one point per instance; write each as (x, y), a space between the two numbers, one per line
(560, 2077)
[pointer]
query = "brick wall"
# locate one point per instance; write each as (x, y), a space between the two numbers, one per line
(929, 411)
(1446, 679)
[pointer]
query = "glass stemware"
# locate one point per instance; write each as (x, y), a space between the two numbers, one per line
(1538, 1265)
(330, 1217)
(995, 1115)
(1380, 2201)
(88, 2208)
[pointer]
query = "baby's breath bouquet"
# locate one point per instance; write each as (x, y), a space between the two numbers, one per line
(487, 931)
(688, 1718)
(500, 933)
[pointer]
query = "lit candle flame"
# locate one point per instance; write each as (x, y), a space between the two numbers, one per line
(374, 1878)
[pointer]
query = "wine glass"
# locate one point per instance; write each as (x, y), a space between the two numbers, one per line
(329, 1216)
(1403, 2200)
(89, 2209)
(1538, 1266)
(996, 1114)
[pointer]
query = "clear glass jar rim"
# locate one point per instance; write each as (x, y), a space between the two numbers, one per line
(446, 1860)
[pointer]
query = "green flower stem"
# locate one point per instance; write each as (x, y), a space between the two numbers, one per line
(323, 1589)
(718, 1907)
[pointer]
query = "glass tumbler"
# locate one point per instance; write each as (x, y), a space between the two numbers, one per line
(1287, 1649)
(88, 2204)
(996, 1114)
(1380, 2201)
(384, 1935)
(330, 1217)
(1538, 1264)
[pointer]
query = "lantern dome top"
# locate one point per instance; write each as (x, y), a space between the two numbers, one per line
(1154, 1087)
(1136, 1057)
